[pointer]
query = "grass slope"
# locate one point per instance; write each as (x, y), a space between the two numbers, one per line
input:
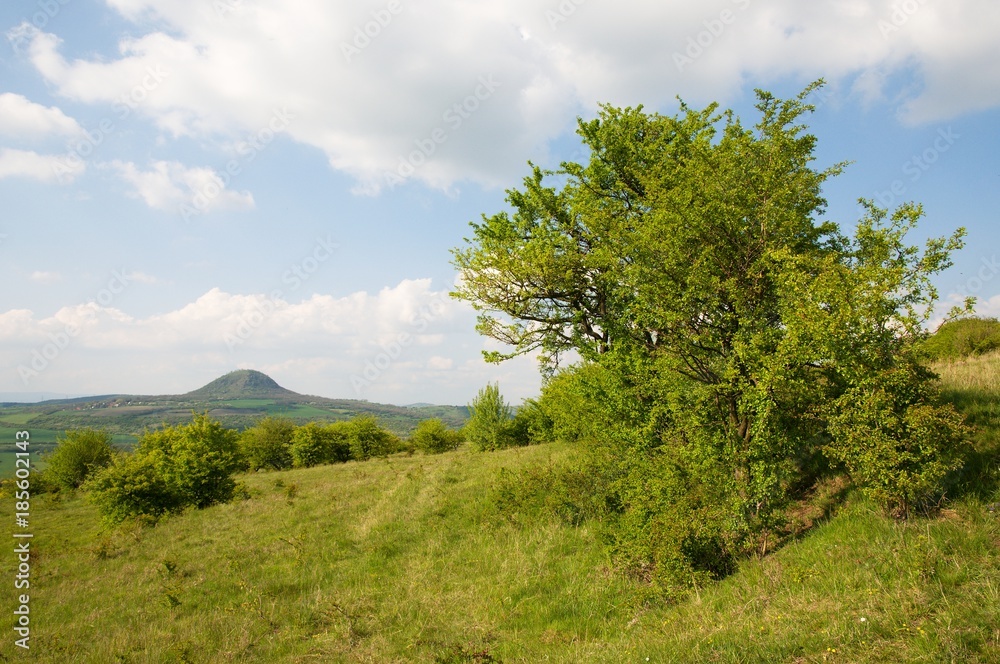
(405, 560)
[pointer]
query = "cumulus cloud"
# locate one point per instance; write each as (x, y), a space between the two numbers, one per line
(169, 185)
(397, 345)
(22, 118)
(389, 94)
(30, 164)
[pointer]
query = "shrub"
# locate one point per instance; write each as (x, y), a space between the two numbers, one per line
(530, 425)
(963, 338)
(432, 437)
(202, 456)
(314, 444)
(488, 427)
(76, 456)
(133, 485)
(895, 443)
(368, 439)
(267, 445)
(170, 469)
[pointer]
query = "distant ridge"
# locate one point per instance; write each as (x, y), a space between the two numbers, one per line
(238, 400)
(242, 384)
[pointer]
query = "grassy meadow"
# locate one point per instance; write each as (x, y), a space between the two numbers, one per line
(407, 559)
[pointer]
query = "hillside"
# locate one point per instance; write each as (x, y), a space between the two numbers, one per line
(237, 399)
(408, 560)
(241, 384)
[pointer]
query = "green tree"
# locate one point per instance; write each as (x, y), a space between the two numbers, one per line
(133, 486)
(199, 459)
(368, 439)
(316, 443)
(489, 421)
(172, 468)
(433, 437)
(267, 444)
(76, 456)
(687, 260)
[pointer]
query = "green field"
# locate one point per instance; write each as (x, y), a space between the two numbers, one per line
(249, 403)
(408, 559)
(18, 418)
(42, 441)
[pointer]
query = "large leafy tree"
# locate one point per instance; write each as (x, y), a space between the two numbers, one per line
(689, 258)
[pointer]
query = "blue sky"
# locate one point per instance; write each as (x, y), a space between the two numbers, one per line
(191, 187)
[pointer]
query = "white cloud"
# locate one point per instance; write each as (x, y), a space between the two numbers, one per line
(22, 118)
(223, 69)
(438, 363)
(169, 185)
(45, 277)
(403, 344)
(30, 164)
(142, 278)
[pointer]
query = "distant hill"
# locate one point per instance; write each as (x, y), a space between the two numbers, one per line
(237, 399)
(242, 384)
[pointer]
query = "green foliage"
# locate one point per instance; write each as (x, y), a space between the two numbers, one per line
(530, 425)
(489, 422)
(134, 485)
(267, 445)
(671, 531)
(717, 319)
(897, 444)
(572, 492)
(316, 443)
(368, 439)
(568, 403)
(76, 456)
(433, 437)
(170, 469)
(965, 337)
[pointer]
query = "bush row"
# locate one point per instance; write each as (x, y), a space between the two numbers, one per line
(192, 465)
